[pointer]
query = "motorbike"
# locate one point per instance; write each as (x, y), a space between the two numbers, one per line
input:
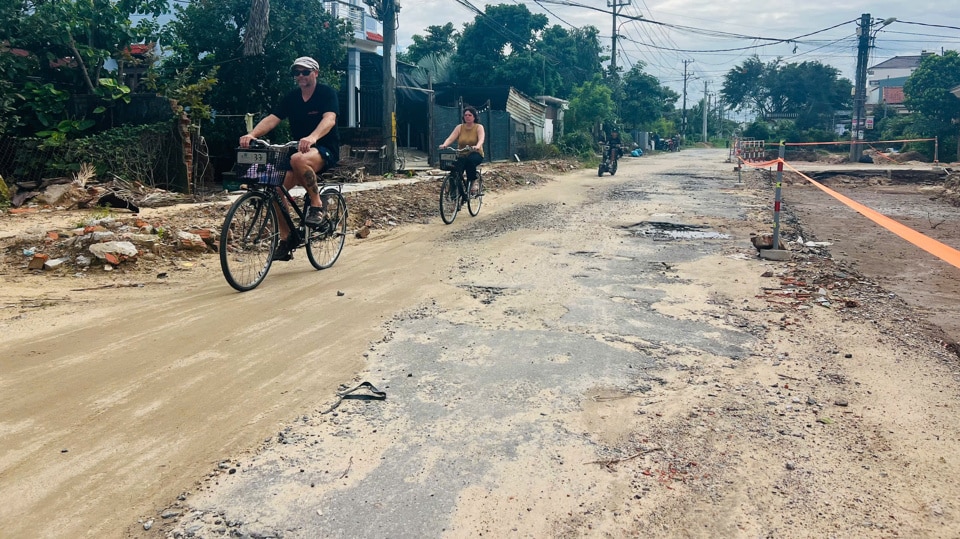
(611, 154)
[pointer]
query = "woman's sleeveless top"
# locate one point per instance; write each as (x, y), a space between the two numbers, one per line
(469, 137)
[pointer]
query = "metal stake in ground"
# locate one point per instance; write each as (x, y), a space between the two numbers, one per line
(775, 253)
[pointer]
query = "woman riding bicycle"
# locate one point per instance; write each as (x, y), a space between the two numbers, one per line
(469, 133)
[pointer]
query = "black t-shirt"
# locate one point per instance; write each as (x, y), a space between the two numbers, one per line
(304, 116)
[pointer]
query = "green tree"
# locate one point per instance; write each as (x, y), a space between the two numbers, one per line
(744, 87)
(497, 48)
(439, 41)
(209, 40)
(934, 108)
(811, 90)
(63, 48)
(591, 104)
(644, 99)
(569, 58)
(809, 93)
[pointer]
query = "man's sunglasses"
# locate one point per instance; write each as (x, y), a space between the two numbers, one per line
(301, 72)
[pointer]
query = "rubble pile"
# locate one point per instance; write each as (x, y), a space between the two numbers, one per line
(819, 282)
(951, 188)
(106, 243)
(114, 236)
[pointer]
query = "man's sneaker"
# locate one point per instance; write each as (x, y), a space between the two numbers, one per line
(283, 252)
(325, 227)
(314, 216)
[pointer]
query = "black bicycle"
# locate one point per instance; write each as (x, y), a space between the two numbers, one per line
(250, 233)
(456, 190)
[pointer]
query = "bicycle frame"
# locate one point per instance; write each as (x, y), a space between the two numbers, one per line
(461, 181)
(455, 191)
(284, 200)
(459, 167)
(268, 210)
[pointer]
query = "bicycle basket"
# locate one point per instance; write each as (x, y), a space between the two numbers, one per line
(267, 166)
(448, 161)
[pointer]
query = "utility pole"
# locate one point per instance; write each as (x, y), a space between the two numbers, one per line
(860, 90)
(706, 105)
(614, 4)
(683, 121)
(389, 21)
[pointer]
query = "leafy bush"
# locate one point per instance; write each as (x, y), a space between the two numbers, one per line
(579, 144)
(4, 194)
(132, 153)
(758, 130)
(538, 150)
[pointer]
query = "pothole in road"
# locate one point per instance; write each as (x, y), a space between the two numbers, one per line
(664, 231)
(485, 294)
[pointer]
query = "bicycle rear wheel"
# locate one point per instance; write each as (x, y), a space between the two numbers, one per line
(247, 240)
(324, 247)
(449, 198)
(475, 201)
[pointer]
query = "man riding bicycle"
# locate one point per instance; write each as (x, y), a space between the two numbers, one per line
(312, 109)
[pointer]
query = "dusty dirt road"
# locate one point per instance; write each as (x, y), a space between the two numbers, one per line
(564, 365)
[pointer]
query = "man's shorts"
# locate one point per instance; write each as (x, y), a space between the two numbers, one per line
(329, 159)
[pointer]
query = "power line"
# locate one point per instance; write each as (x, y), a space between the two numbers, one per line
(554, 15)
(898, 21)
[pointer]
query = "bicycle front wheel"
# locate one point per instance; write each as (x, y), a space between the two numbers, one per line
(324, 246)
(475, 201)
(449, 198)
(247, 240)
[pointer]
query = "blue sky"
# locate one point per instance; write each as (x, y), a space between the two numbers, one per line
(703, 33)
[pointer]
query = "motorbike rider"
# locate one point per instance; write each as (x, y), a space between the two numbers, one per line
(613, 142)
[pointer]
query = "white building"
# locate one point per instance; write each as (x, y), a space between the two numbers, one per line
(889, 74)
(368, 37)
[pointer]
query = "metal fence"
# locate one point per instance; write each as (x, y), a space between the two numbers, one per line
(154, 160)
(25, 162)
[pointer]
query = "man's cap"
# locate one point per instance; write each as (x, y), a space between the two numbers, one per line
(307, 62)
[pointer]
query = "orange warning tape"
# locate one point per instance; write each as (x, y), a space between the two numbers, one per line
(765, 164)
(942, 251)
(837, 142)
(883, 155)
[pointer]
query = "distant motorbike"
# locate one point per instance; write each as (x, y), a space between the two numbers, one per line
(611, 155)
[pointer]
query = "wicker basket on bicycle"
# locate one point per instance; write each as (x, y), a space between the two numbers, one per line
(448, 161)
(265, 166)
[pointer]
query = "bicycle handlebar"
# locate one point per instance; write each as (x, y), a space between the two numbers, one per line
(260, 144)
(465, 149)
